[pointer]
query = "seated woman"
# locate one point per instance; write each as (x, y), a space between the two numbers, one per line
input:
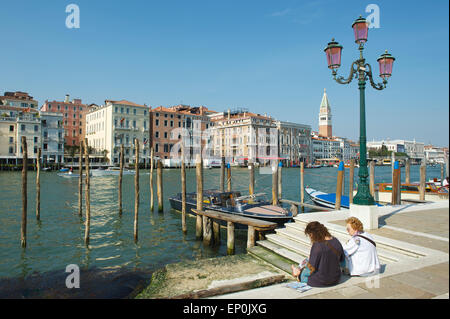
(323, 267)
(360, 251)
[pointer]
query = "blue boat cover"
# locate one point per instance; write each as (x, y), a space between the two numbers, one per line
(331, 198)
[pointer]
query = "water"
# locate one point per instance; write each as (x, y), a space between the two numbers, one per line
(58, 239)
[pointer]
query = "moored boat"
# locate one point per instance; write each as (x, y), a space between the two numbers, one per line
(328, 199)
(252, 206)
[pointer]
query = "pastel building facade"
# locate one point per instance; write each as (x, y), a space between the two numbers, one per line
(18, 117)
(294, 142)
(119, 123)
(52, 137)
(74, 118)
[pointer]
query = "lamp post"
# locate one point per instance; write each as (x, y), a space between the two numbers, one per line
(362, 71)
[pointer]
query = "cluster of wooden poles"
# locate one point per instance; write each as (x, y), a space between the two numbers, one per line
(206, 229)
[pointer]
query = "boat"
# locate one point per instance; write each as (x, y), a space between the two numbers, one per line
(111, 171)
(328, 199)
(386, 162)
(383, 191)
(252, 206)
(45, 169)
(64, 169)
(71, 175)
(313, 166)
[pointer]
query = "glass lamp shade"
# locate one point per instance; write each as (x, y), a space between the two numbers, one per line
(333, 52)
(360, 28)
(386, 61)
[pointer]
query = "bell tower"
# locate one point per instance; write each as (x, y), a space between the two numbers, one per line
(325, 117)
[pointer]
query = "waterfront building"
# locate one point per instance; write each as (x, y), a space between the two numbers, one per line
(52, 137)
(326, 149)
(434, 154)
(116, 123)
(18, 117)
(325, 127)
(294, 142)
(74, 118)
(242, 136)
(168, 125)
(414, 150)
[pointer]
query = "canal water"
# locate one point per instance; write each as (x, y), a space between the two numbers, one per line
(57, 240)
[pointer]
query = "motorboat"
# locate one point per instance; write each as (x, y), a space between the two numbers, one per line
(252, 206)
(111, 171)
(328, 199)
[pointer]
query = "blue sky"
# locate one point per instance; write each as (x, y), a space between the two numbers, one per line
(266, 56)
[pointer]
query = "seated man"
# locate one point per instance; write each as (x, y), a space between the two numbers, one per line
(360, 251)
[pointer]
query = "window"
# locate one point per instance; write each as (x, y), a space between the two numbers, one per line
(157, 134)
(81, 131)
(81, 109)
(11, 139)
(165, 134)
(166, 148)
(35, 139)
(11, 128)
(157, 114)
(145, 112)
(65, 107)
(59, 107)
(134, 123)
(171, 123)
(145, 125)
(165, 122)
(49, 106)
(156, 147)
(22, 127)
(59, 147)
(45, 147)
(35, 150)
(81, 116)
(74, 108)
(165, 115)
(66, 115)
(36, 128)
(128, 110)
(11, 150)
(116, 110)
(157, 122)
(179, 124)
(121, 110)
(74, 123)
(134, 111)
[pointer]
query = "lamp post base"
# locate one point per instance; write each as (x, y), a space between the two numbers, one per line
(367, 214)
(363, 196)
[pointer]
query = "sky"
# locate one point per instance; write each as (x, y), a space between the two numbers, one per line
(266, 56)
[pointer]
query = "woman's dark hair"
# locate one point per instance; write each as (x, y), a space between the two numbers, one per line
(316, 231)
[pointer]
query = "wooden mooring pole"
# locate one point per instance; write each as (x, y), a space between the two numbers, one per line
(120, 178)
(407, 171)
(442, 174)
(275, 184)
(351, 176)
(340, 180)
(251, 186)
(230, 238)
(159, 186)
(136, 190)
(228, 177)
(372, 178)
(280, 181)
(23, 229)
(38, 185)
(87, 195)
(199, 180)
(395, 199)
(183, 192)
(80, 181)
(302, 184)
(152, 164)
(423, 174)
(222, 174)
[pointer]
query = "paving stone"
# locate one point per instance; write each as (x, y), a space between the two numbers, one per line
(351, 291)
(433, 284)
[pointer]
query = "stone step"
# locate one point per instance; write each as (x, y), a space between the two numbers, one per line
(268, 256)
(282, 251)
(294, 246)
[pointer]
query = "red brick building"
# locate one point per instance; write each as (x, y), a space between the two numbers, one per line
(74, 118)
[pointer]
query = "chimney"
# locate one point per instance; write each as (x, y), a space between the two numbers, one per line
(228, 113)
(66, 100)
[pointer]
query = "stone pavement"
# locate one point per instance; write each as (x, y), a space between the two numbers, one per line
(420, 229)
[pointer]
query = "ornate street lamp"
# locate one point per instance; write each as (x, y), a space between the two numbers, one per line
(362, 71)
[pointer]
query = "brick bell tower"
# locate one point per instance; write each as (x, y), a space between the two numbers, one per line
(325, 117)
